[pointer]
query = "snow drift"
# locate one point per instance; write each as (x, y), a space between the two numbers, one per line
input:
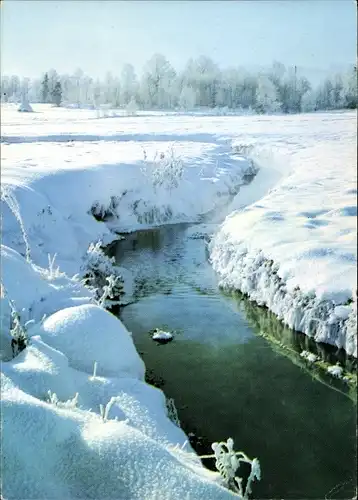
(294, 249)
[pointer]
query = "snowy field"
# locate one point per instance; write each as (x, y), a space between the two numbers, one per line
(289, 242)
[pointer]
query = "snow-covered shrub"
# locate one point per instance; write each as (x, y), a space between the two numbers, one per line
(165, 169)
(228, 461)
(103, 213)
(244, 149)
(18, 331)
(99, 271)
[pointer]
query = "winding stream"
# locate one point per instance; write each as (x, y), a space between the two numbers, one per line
(227, 379)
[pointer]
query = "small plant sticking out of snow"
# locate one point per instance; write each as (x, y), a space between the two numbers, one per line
(99, 272)
(104, 410)
(165, 169)
(52, 272)
(9, 198)
(243, 149)
(172, 411)
(94, 371)
(162, 336)
(309, 356)
(335, 371)
(228, 461)
(70, 403)
(18, 331)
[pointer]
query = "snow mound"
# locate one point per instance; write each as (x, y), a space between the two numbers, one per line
(85, 455)
(87, 334)
(65, 449)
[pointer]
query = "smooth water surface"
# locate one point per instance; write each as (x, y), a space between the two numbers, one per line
(229, 381)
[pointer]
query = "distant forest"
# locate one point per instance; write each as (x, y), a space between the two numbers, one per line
(201, 85)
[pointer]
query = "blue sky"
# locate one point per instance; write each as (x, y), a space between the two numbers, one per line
(102, 35)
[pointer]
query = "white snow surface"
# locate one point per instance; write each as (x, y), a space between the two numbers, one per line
(61, 163)
(57, 166)
(294, 248)
(69, 451)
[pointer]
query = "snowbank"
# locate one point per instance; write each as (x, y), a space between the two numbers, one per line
(108, 173)
(52, 393)
(67, 451)
(78, 418)
(294, 248)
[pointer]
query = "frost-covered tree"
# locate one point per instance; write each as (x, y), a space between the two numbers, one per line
(45, 91)
(129, 84)
(132, 107)
(203, 75)
(266, 96)
(338, 92)
(158, 83)
(309, 101)
(53, 78)
(56, 94)
(187, 98)
(200, 84)
(350, 88)
(10, 88)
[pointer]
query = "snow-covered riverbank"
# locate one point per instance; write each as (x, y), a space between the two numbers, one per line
(294, 248)
(78, 417)
(62, 170)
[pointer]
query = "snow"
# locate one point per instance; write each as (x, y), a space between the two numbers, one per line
(335, 371)
(87, 334)
(79, 419)
(289, 242)
(96, 159)
(160, 335)
(294, 248)
(66, 450)
(309, 356)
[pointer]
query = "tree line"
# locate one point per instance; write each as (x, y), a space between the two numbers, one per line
(202, 84)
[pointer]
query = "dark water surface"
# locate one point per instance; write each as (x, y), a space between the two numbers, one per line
(229, 381)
